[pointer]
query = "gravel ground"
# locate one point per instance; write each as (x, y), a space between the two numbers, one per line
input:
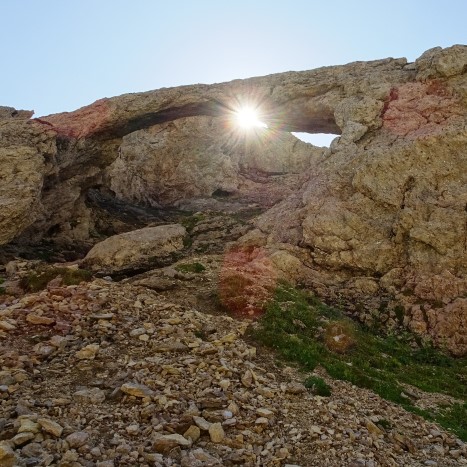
(107, 374)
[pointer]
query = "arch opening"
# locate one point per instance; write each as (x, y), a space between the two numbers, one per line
(316, 139)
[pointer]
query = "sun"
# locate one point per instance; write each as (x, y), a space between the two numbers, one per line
(247, 118)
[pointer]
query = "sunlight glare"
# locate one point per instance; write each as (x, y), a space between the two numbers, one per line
(247, 118)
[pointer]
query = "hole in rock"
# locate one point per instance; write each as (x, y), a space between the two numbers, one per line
(317, 139)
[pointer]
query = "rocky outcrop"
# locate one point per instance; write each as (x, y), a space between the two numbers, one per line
(199, 156)
(136, 250)
(383, 219)
(379, 218)
(26, 154)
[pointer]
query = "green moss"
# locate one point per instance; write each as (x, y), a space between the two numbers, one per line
(191, 221)
(38, 280)
(318, 386)
(190, 267)
(295, 325)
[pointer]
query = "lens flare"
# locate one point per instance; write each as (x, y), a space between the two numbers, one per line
(247, 118)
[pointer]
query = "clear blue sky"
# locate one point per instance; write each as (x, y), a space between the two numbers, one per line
(59, 55)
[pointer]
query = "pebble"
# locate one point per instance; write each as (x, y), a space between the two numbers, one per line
(202, 423)
(136, 390)
(192, 433)
(51, 427)
(77, 439)
(37, 319)
(88, 353)
(216, 433)
(166, 443)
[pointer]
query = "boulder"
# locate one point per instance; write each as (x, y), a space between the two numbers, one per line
(136, 250)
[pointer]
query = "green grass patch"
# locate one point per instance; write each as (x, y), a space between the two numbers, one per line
(318, 386)
(297, 326)
(38, 280)
(190, 267)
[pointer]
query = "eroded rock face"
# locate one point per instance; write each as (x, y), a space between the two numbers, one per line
(378, 218)
(197, 156)
(386, 215)
(26, 151)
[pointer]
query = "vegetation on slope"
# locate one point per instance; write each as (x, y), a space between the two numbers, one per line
(310, 333)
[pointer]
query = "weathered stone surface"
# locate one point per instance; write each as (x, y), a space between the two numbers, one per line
(195, 156)
(24, 152)
(139, 249)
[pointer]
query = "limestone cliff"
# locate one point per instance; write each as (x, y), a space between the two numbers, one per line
(380, 218)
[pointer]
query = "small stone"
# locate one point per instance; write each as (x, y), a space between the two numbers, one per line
(28, 425)
(37, 319)
(133, 429)
(295, 388)
(373, 429)
(87, 353)
(165, 443)
(226, 414)
(216, 432)
(247, 379)
(22, 438)
(32, 450)
(51, 427)
(57, 341)
(224, 384)
(261, 421)
(233, 407)
(137, 390)
(229, 422)
(192, 433)
(202, 423)
(282, 453)
(90, 396)
(77, 439)
(69, 457)
(263, 412)
(265, 392)
(192, 409)
(7, 455)
(44, 349)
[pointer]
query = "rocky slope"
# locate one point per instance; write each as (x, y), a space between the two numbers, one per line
(378, 220)
(116, 374)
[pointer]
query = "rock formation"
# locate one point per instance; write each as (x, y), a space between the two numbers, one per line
(378, 219)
